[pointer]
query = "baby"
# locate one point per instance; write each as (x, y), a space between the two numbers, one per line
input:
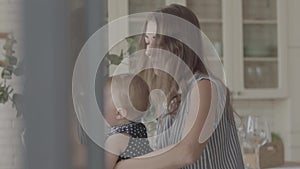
(126, 98)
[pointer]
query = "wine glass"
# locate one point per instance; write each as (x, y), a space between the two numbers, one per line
(241, 128)
(256, 134)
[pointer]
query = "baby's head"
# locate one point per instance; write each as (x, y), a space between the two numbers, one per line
(126, 98)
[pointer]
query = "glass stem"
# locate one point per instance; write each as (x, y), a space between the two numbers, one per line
(257, 157)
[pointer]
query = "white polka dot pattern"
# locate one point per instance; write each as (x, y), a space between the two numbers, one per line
(138, 144)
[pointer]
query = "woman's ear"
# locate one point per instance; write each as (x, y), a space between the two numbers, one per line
(121, 113)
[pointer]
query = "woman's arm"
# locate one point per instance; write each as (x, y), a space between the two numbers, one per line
(189, 149)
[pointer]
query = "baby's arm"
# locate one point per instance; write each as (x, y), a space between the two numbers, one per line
(110, 160)
(114, 146)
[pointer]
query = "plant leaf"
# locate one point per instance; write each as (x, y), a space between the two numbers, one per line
(121, 54)
(114, 59)
(12, 60)
(6, 73)
(20, 70)
(18, 101)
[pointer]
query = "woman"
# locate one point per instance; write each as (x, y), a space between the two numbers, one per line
(189, 136)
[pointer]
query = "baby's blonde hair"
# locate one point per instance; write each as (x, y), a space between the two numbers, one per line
(129, 91)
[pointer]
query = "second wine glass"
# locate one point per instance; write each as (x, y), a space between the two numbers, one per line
(256, 134)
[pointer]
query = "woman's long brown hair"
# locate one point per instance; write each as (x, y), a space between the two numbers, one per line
(186, 54)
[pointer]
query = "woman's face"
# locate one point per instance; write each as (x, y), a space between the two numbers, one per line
(150, 34)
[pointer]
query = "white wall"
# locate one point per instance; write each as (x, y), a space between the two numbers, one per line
(293, 75)
(10, 126)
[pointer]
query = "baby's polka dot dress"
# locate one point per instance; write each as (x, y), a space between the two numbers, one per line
(138, 144)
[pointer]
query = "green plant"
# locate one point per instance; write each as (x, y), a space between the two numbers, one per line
(115, 59)
(8, 63)
(275, 137)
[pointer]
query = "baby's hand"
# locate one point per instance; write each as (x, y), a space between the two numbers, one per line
(174, 103)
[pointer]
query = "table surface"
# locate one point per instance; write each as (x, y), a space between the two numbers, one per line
(289, 164)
